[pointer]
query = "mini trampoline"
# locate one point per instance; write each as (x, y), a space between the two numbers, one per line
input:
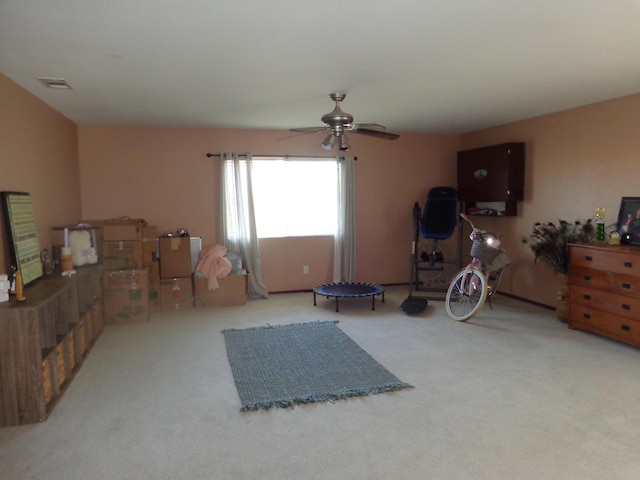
(349, 290)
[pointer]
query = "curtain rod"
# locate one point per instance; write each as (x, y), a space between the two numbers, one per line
(209, 155)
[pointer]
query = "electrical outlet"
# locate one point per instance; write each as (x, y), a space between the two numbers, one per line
(305, 269)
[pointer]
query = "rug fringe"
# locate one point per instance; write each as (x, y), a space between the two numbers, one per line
(268, 325)
(392, 387)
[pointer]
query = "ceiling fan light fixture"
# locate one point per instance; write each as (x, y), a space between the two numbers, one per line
(344, 143)
(328, 142)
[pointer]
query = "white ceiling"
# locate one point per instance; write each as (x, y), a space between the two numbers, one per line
(424, 66)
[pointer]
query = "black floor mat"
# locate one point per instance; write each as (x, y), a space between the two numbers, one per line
(414, 305)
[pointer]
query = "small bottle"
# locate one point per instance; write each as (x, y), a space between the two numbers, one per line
(46, 262)
(12, 281)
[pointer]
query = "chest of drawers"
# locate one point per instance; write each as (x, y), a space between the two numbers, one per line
(604, 290)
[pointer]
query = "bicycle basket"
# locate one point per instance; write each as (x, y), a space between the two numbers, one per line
(485, 253)
(499, 262)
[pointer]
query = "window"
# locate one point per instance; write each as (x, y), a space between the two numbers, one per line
(295, 197)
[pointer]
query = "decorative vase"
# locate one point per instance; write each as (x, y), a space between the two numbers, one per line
(562, 308)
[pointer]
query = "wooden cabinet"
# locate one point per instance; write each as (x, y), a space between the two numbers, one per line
(44, 340)
(492, 175)
(604, 291)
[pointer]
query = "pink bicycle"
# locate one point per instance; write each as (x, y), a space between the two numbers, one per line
(479, 280)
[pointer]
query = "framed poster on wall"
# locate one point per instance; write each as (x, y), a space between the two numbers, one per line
(629, 219)
(23, 239)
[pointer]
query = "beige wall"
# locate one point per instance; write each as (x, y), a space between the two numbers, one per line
(163, 176)
(577, 160)
(38, 155)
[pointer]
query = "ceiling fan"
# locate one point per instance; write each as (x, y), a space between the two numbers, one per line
(338, 123)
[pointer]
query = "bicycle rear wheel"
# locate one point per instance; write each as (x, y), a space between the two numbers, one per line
(493, 281)
(466, 294)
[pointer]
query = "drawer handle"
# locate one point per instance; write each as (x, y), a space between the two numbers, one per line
(587, 278)
(626, 285)
(626, 328)
(587, 316)
(628, 264)
(626, 307)
(587, 297)
(588, 258)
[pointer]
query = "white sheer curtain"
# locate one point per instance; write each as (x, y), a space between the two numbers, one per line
(237, 220)
(344, 253)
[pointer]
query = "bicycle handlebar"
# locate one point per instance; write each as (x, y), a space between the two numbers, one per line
(464, 217)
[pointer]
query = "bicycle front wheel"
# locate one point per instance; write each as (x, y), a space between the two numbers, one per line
(467, 294)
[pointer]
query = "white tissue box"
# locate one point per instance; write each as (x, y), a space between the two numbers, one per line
(4, 288)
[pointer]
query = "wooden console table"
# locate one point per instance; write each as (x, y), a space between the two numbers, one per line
(604, 291)
(44, 340)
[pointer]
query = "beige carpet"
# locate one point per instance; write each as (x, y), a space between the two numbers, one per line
(513, 394)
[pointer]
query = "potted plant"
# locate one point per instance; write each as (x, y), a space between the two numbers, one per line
(549, 243)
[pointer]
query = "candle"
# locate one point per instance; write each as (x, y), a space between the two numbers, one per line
(19, 287)
(66, 237)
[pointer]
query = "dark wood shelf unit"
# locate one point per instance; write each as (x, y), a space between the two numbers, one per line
(44, 340)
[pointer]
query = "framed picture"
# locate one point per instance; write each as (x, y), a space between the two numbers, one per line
(23, 239)
(629, 219)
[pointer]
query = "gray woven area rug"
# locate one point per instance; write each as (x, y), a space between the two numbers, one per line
(284, 365)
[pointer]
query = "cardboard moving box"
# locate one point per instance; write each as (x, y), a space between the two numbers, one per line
(150, 239)
(233, 291)
(122, 255)
(155, 302)
(120, 228)
(175, 257)
(176, 293)
(125, 296)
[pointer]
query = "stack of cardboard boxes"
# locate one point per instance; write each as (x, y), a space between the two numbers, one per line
(176, 268)
(143, 273)
(180, 288)
(128, 251)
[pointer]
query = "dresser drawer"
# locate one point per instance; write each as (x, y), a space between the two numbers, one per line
(611, 282)
(608, 302)
(606, 324)
(608, 260)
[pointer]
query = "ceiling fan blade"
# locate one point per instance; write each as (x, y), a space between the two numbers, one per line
(370, 126)
(300, 133)
(311, 129)
(376, 133)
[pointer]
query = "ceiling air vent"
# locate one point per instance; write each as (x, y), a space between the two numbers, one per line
(58, 83)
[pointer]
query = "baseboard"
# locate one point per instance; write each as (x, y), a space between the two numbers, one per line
(526, 300)
(516, 297)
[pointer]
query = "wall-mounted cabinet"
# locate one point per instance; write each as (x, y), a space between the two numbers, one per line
(491, 179)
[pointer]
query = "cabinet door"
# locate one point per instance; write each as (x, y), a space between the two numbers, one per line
(491, 174)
